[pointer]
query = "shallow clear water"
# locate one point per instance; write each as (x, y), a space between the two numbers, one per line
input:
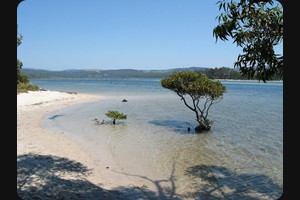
(243, 152)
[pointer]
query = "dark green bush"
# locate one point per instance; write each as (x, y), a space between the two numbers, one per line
(25, 87)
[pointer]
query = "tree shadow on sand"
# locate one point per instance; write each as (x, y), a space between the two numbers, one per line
(216, 183)
(222, 183)
(42, 177)
(48, 177)
(163, 192)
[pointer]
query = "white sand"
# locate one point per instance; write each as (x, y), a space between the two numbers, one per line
(32, 139)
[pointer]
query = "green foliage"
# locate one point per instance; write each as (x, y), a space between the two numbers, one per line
(23, 83)
(21, 78)
(194, 84)
(115, 115)
(143, 187)
(19, 39)
(256, 26)
(25, 87)
(193, 87)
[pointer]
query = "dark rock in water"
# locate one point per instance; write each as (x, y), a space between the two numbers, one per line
(189, 129)
(124, 100)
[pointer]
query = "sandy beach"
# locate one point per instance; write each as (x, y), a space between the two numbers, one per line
(51, 166)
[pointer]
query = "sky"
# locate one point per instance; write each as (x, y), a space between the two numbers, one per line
(121, 34)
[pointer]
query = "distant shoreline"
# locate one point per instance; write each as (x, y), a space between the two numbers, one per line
(213, 73)
(251, 80)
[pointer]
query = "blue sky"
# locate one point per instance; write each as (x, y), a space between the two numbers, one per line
(121, 34)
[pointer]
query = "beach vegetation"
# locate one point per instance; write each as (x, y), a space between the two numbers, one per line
(23, 83)
(143, 187)
(193, 88)
(257, 27)
(25, 87)
(98, 121)
(115, 115)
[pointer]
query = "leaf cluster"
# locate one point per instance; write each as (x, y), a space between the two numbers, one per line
(195, 84)
(21, 77)
(115, 115)
(256, 26)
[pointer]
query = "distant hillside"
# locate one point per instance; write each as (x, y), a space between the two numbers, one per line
(212, 73)
(96, 73)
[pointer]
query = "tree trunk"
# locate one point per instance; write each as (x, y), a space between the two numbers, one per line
(203, 125)
(114, 121)
(202, 128)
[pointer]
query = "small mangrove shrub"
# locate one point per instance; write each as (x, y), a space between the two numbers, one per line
(115, 115)
(143, 187)
(98, 121)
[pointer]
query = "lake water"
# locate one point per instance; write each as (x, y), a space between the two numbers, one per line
(240, 158)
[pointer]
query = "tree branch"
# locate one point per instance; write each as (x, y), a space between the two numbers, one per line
(185, 103)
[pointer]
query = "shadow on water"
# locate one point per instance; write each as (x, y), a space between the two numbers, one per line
(222, 183)
(176, 125)
(42, 177)
(217, 183)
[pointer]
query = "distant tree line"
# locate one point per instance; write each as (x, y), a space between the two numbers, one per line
(212, 73)
(227, 73)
